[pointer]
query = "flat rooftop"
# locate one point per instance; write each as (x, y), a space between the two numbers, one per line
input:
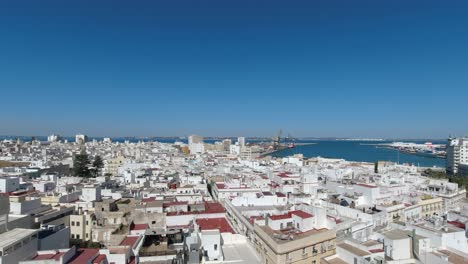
(454, 257)
(396, 234)
(282, 242)
(440, 230)
(11, 237)
(333, 260)
(356, 251)
(240, 253)
(295, 235)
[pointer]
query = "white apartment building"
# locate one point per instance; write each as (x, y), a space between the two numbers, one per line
(91, 193)
(457, 153)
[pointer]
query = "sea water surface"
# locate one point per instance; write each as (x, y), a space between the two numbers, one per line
(367, 151)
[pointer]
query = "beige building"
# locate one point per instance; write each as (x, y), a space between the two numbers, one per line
(306, 247)
(431, 206)
(111, 166)
(81, 226)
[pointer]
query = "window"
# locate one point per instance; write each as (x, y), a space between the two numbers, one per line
(8, 250)
(73, 223)
(17, 246)
(153, 222)
(87, 235)
(77, 236)
(73, 235)
(77, 223)
(87, 222)
(216, 247)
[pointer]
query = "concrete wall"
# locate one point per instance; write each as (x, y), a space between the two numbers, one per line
(25, 206)
(9, 184)
(59, 239)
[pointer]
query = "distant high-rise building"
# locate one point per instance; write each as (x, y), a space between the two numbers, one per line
(80, 138)
(457, 154)
(54, 138)
(227, 144)
(241, 141)
(196, 145)
(195, 139)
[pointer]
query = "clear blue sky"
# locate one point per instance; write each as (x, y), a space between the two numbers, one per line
(228, 68)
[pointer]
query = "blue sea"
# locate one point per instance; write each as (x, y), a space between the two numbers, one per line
(367, 151)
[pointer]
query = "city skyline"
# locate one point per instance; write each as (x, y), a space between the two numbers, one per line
(315, 69)
(246, 131)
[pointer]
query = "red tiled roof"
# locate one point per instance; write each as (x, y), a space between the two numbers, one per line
(280, 194)
(280, 217)
(366, 185)
(99, 259)
(457, 224)
(301, 214)
(139, 226)
(376, 250)
(59, 255)
(129, 241)
(215, 223)
(21, 192)
(267, 193)
(167, 204)
(213, 207)
(83, 255)
(150, 199)
(210, 208)
(44, 256)
(220, 185)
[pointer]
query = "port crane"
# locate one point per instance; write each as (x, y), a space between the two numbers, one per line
(276, 140)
